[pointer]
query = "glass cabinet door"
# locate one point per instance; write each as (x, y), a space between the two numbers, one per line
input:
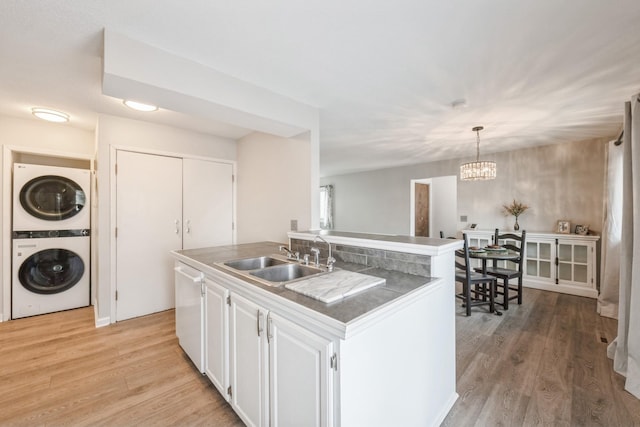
(573, 263)
(538, 259)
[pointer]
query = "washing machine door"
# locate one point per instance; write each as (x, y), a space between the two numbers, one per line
(51, 271)
(52, 198)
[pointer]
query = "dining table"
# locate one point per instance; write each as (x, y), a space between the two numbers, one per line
(494, 254)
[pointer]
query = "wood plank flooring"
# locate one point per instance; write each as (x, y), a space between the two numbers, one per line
(58, 369)
(542, 363)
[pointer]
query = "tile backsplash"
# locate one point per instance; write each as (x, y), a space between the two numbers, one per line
(389, 260)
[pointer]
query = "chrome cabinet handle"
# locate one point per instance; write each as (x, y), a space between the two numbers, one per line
(188, 229)
(259, 318)
(177, 223)
(269, 329)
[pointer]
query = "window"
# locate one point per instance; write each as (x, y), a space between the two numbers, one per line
(326, 207)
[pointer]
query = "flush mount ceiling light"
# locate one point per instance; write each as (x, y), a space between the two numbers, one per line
(139, 106)
(50, 115)
(478, 171)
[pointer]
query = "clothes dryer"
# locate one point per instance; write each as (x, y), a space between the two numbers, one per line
(50, 273)
(50, 198)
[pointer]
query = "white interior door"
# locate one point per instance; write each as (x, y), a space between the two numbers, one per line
(149, 225)
(208, 203)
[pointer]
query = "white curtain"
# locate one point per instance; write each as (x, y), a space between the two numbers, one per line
(611, 233)
(625, 349)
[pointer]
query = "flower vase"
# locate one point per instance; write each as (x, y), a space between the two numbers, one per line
(516, 226)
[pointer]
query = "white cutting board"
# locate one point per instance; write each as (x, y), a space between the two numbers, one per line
(334, 286)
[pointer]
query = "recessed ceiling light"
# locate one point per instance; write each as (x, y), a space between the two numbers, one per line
(139, 106)
(50, 115)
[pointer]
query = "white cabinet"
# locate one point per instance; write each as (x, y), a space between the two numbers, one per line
(301, 367)
(556, 262)
(248, 350)
(562, 263)
(216, 335)
(272, 371)
(280, 373)
(479, 239)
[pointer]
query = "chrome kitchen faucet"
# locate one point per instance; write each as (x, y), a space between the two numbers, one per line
(331, 260)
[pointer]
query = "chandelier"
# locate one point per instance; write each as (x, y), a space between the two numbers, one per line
(478, 171)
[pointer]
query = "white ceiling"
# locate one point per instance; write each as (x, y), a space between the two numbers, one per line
(383, 74)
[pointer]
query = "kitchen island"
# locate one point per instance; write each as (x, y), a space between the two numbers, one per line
(385, 356)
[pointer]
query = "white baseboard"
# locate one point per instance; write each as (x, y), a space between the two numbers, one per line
(100, 321)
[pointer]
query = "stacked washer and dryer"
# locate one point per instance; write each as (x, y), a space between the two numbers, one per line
(51, 239)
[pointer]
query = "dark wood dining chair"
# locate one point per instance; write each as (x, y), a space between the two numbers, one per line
(509, 291)
(477, 288)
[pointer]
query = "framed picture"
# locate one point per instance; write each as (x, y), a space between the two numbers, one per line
(564, 227)
(582, 230)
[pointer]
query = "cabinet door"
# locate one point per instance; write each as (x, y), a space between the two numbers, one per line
(539, 260)
(148, 220)
(208, 203)
(248, 361)
(574, 267)
(216, 335)
(301, 388)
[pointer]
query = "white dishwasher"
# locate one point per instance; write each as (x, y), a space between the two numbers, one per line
(189, 312)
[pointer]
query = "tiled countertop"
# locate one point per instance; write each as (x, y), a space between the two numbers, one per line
(346, 310)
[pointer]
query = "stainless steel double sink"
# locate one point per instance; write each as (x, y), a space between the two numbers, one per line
(271, 270)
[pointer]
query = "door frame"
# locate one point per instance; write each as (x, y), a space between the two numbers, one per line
(412, 205)
(113, 150)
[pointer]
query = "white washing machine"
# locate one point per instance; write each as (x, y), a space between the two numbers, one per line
(50, 198)
(50, 273)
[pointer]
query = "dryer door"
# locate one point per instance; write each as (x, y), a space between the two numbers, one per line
(51, 271)
(52, 198)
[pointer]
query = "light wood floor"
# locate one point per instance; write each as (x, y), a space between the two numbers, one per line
(542, 363)
(58, 369)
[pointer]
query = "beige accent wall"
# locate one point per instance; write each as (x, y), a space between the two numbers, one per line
(274, 186)
(563, 181)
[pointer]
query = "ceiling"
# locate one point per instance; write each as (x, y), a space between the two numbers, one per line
(382, 74)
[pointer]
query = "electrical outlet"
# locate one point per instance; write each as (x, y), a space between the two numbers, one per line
(294, 225)
(463, 218)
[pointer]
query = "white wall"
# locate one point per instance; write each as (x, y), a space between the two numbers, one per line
(273, 185)
(25, 140)
(115, 132)
(563, 181)
(445, 204)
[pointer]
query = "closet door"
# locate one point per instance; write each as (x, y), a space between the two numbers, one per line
(208, 203)
(149, 225)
